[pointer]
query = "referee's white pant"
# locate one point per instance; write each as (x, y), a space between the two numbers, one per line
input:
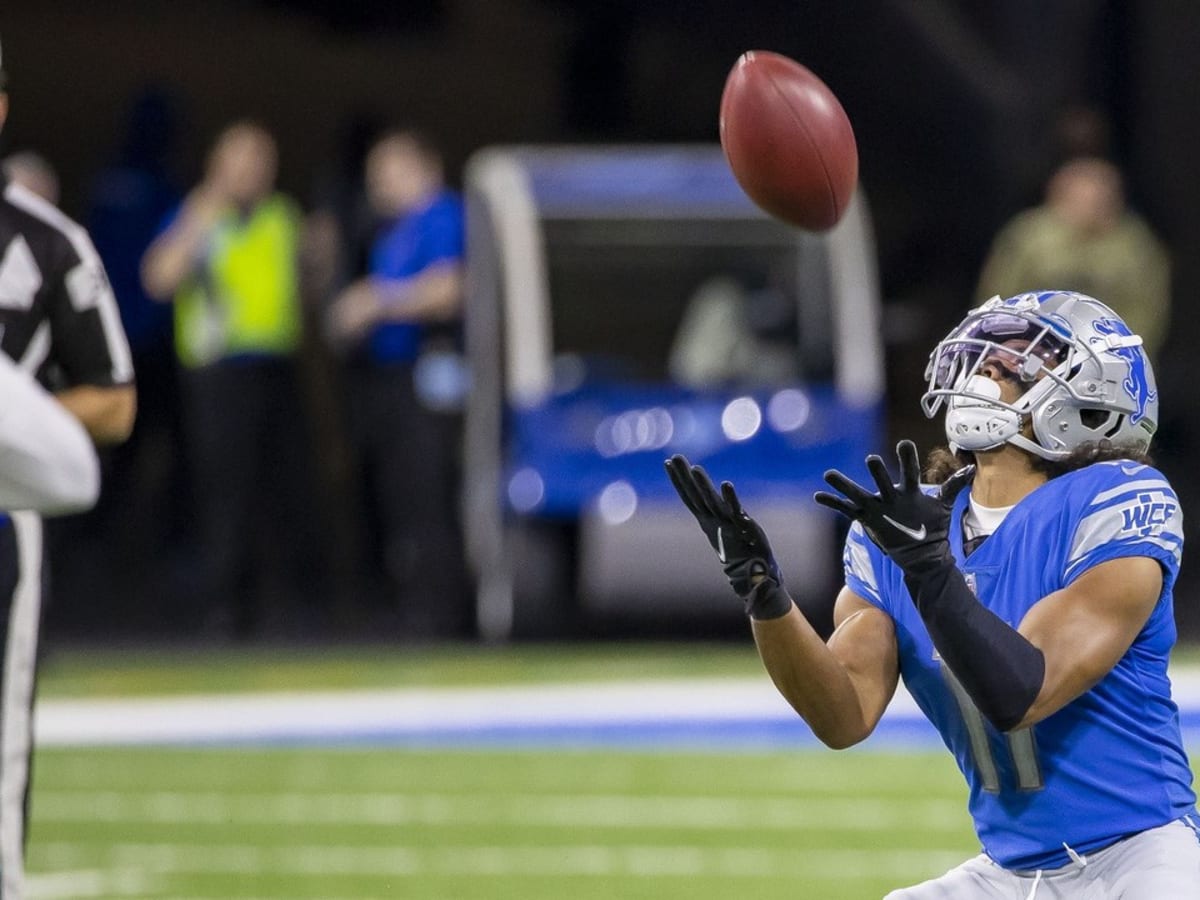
(1158, 864)
(21, 582)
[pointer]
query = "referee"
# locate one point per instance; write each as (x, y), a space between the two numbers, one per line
(59, 323)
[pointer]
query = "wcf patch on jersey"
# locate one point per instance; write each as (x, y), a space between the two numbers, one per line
(1148, 514)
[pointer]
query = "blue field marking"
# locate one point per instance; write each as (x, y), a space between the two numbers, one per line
(690, 735)
(698, 734)
(891, 734)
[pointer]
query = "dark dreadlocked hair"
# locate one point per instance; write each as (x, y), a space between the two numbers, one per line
(942, 462)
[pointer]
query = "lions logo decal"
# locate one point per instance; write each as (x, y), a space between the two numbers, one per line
(1137, 382)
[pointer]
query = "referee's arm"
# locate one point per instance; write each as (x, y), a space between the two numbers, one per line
(106, 413)
(90, 348)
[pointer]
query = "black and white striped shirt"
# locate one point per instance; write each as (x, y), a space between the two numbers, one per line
(58, 316)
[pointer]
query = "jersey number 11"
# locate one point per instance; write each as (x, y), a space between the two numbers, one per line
(1022, 746)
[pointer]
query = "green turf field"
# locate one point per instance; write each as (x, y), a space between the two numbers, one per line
(90, 671)
(305, 823)
(455, 825)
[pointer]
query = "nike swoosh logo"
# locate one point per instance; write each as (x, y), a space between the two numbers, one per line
(720, 546)
(917, 534)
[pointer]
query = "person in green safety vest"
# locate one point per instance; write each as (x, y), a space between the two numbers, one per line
(227, 260)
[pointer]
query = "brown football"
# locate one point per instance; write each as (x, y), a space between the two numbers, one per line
(788, 140)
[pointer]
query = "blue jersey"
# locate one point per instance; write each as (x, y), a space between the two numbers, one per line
(1111, 762)
(413, 243)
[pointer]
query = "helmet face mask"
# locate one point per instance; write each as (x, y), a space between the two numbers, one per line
(1084, 377)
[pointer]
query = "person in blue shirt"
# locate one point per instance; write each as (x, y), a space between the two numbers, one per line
(382, 323)
(1024, 597)
(415, 268)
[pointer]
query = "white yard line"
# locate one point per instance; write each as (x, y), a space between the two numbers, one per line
(415, 712)
(400, 712)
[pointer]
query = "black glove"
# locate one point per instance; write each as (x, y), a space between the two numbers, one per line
(907, 524)
(738, 540)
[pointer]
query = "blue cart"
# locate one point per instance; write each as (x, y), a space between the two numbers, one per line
(624, 304)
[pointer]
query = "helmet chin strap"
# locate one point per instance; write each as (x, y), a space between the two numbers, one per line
(1037, 449)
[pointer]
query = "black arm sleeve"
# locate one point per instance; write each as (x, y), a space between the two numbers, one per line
(768, 600)
(1000, 670)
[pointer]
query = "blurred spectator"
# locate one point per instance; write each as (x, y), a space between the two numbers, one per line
(228, 261)
(383, 323)
(130, 199)
(32, 171)
(1084, 237)
(144, 479)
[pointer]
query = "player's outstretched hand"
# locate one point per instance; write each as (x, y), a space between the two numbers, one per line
(909, 525)
(739, 542)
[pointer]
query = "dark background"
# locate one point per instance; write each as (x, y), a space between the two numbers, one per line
(953, 104)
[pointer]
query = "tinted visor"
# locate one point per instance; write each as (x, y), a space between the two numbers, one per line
(1020, 348)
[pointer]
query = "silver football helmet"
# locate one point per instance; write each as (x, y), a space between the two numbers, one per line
(1086, 375)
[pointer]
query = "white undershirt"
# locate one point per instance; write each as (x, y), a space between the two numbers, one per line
(982, 520)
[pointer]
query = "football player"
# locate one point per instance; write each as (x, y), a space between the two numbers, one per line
(1025, 597)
